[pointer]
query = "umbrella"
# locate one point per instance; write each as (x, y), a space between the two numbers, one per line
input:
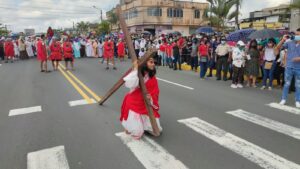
(207, 30)
(264, 34)
(240, 35)
(146, 33)
(170, 32)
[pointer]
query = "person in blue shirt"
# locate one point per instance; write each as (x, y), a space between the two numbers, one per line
(292, 67)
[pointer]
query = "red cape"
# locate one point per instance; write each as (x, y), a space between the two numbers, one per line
(134, 101)
(41, 51)
(68, 50)
(108, 50)
(55, 51)
(9, 49)
(121, 49)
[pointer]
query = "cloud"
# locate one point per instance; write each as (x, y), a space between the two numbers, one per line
(56, 13)
(39, 14)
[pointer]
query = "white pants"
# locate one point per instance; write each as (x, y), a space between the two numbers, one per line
(136, 124)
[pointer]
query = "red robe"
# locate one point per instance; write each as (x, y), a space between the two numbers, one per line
(134, 101)
(121, 49)
(108, 50)
(41, 51)
(55, 49)
(9, 49)
(68, 50)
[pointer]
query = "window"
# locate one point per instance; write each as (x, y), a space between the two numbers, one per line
(133, 13)
(177, 13)
(197, 13)
(125, 15)
(170, 12)
(154, 11)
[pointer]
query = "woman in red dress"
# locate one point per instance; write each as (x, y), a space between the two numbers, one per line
(134, 115)
(56, 55)
(121, 50)
(68, 54)
(42, 53)
(9, 50)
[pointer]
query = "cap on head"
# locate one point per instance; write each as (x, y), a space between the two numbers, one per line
(241, 43)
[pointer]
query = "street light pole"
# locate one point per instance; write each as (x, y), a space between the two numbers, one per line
(101, 17)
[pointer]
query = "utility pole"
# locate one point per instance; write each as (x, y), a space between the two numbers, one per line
(101, 17)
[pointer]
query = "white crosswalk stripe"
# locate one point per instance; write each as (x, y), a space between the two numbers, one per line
(27, 110)
(52, 158)
(268, 123)
(250, 151)
(150, 154)
(285, 108)
(80, 102)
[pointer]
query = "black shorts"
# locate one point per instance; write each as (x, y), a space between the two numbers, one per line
(57, 60)
(69, 59)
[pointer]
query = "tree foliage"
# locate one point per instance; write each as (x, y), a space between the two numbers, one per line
(220, 12)
(82, 26)
(104, 28)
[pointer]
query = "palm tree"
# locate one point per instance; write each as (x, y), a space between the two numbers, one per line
(238, 4)
(112, 18)
(220, 12)
(104, 27)
(82, 26)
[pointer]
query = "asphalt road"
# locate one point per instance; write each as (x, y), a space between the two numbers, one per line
(251, 135)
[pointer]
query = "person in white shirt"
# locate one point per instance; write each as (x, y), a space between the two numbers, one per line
(238, 62)
(136, 46)
(143, 43)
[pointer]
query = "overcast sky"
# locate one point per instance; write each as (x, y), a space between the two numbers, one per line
(39, 14)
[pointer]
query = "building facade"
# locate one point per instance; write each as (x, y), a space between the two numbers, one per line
(156, 16)
(273, 18)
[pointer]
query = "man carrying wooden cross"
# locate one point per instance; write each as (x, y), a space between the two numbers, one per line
(134, 115)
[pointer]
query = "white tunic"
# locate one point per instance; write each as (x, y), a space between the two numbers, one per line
(100, 49)
(136, 123)
(89, 49)
(29, 48)
(16, 49)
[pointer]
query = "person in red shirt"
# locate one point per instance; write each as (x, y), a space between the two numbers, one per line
(68, 54)
(56, 53)
(134, 115)
(42, 53)
(204, 57)
(169, 52)
(162, 49)
(108, 54)
(121, 50)
(181, 43)
(9, 50)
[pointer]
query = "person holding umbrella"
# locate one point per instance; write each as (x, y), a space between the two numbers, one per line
(292, 67)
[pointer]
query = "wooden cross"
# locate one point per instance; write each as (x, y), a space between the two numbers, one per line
(120, 82)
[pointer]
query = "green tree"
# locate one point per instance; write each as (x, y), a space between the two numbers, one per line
(104, 28)
(3, 30)
(238, 5)
(112, 18)
(82, 26)
(220, 12)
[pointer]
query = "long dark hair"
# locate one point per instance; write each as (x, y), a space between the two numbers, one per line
(145, 70)
(253, 47)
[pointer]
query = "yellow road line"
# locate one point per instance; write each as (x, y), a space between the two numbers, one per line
(97, 98)
(84, 86)
(85, 96)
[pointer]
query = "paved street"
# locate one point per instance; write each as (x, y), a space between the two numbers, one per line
(52, 120)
